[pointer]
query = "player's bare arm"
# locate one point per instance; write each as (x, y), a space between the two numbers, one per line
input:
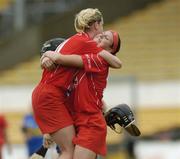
(65, 60)
(113, 60)
(76, 60)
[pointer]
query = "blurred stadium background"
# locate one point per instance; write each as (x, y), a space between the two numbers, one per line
(149, 80)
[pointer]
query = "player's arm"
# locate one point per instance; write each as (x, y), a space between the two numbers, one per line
(112, 60)
(76, 60)
(65, 60)
(41, 152)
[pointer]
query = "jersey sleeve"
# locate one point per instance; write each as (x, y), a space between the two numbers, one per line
(94, 63)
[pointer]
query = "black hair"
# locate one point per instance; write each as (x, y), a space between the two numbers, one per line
(118, 46)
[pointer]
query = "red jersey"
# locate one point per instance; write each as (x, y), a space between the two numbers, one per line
(3, 126)
(88, 117)
(62, 76)
(90, 84)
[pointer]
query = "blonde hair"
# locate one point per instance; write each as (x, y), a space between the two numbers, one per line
(85, 18)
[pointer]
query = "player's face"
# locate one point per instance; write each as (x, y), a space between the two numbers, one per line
(104, 40)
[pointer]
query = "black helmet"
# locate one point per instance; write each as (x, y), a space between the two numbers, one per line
(51, 44)
(122, 115)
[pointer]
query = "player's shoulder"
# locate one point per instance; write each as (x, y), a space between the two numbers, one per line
(77, 40)
(82, 38)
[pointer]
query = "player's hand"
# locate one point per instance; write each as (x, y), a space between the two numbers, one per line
(52, 55)
(47, 63)
(47, 141)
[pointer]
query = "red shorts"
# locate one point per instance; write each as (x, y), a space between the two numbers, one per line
(49, 106)
(91, 132)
